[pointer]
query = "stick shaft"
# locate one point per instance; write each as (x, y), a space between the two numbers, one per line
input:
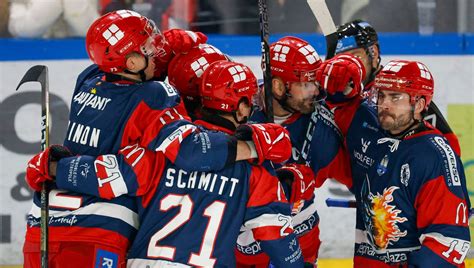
(266, 68)
(39, 73)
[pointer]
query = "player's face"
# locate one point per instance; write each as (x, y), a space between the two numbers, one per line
(362, 55)
(394, 111)
(302, 97)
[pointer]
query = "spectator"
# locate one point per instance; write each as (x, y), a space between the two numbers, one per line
(51, 18)
(4, 13)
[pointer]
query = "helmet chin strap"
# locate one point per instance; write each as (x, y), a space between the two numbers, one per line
(141, 73)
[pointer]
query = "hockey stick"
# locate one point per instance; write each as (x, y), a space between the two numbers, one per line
(341, 203)
(323, 16)
(39, 73)
(321, 12)
(267, 76)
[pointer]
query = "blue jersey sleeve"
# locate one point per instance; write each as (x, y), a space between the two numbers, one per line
(133, 172)
(442, 206)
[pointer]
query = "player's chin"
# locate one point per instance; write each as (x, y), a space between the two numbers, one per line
(306, 108)
(386, 123)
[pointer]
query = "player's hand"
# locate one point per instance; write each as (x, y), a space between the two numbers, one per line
(342, 74)
(301, 178)
(272, 141)
(40, 168)
(182, 41)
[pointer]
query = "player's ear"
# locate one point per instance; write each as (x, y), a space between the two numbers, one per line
(278, 87)
(420, 105)
(376, 58)
(243, 110)
(134, 62)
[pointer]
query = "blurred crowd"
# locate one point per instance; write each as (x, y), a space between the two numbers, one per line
(71, 18)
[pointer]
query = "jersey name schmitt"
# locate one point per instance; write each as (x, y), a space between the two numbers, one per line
(205, 181)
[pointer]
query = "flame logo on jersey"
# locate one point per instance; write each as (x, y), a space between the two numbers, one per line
(381, 218)
(297, 206)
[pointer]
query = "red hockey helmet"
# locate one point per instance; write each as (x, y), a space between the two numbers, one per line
(294, 60)
(225, 84)
(185, 70)
(117, 34)
(411, 77)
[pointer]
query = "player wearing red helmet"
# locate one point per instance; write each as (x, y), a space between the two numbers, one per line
(298, 106)
(400, 80)
(115, 104)
(360, 39)
(194, 217)
(409, 184)
(185, 73)
(293, 65)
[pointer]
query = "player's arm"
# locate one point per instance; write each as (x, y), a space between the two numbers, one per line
(341, 77)
(132, 171)
(328, 156)
(268, 216)
(192, 148)
(442, 206)
(161, 124)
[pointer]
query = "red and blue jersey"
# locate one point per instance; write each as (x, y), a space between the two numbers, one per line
(412, 200)
(106, 116)
(190, 218)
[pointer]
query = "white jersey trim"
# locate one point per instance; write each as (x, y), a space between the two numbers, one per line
(101, 209)
(265, 220)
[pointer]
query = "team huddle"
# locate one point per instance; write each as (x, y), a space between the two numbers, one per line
(189, 173)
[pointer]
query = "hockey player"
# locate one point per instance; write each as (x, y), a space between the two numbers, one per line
(360, 39)
(315, 138)
(115, 105)
(192, 217)
(410, 187)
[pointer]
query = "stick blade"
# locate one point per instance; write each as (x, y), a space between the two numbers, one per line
(36, 73)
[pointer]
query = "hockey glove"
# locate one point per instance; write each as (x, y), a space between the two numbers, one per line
(342, 74)
(182, 41)
(272, 141)
(301, 178)
(38, 169)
